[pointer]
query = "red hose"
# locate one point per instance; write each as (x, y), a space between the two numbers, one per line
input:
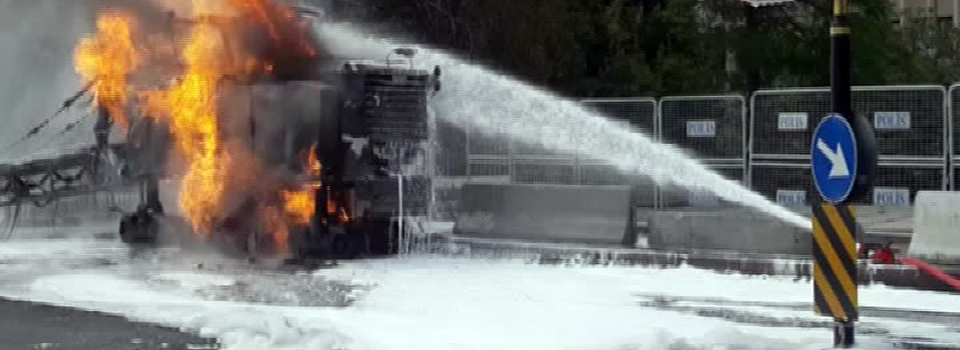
(933, 271)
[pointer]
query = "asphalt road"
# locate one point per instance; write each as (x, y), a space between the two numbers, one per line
(28, 326)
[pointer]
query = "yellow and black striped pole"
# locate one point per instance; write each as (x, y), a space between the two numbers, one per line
(835, 267)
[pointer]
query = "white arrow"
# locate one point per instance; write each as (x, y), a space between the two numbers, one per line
(839, 167)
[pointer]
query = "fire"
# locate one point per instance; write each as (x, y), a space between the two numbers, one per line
(300, 205)
(275, 223)
(107, 59)
(219, 50)
(281, 25)
(192, 110)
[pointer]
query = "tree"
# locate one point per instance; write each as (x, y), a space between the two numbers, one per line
(658, 47)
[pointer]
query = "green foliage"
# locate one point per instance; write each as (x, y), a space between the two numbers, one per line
(658, 47)
(931, 50)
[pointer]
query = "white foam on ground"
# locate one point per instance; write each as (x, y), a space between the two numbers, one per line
(446, 303)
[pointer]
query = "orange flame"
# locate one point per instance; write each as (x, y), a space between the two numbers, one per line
(280, 24)
(214, 54)
(193, 103)
(300, 205)
(107, 59)
(275, 224)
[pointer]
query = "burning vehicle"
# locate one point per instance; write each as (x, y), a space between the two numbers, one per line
(238, 128)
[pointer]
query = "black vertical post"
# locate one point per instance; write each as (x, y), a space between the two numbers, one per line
(841, 77)
(840, 72)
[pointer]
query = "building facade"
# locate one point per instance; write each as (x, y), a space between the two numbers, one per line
(944, 10)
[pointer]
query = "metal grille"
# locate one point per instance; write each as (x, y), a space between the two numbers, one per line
(712, 127)
(396, 103)
(675, 197)
(894, 184)
(908, 120)
(489, 168)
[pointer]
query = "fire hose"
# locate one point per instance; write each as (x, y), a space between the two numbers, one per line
(933, 271)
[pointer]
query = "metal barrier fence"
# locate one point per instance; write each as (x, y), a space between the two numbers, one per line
(675, 197)
(712, 127)
(639, 113)
(791, 185)
(495, 157)
(953, 125)
(910, 122)
(766, 145)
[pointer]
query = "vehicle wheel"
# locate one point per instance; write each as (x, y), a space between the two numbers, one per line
(138, 229)
(345, 246)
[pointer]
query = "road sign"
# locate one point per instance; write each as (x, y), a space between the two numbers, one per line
(835, 261)
(834, 158)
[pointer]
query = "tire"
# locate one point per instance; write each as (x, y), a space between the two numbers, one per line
(346, 246)
(142, 230)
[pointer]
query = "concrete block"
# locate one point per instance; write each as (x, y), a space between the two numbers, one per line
(547, 213)
(727, 229)
(936, 230)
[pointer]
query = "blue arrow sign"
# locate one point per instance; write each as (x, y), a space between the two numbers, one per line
(834, 158)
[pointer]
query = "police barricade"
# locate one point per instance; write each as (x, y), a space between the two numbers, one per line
(637, 113)
(553, 196)
(912, 141)
(910, 122)
(895, 186)
(710, 128)
(713, 128)
(953, 106)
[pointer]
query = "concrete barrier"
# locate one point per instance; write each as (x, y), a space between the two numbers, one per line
(547, 213)
(731, 229)
(936, 228)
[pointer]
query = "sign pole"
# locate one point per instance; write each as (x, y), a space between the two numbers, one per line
(840, 88)
(840, 67)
